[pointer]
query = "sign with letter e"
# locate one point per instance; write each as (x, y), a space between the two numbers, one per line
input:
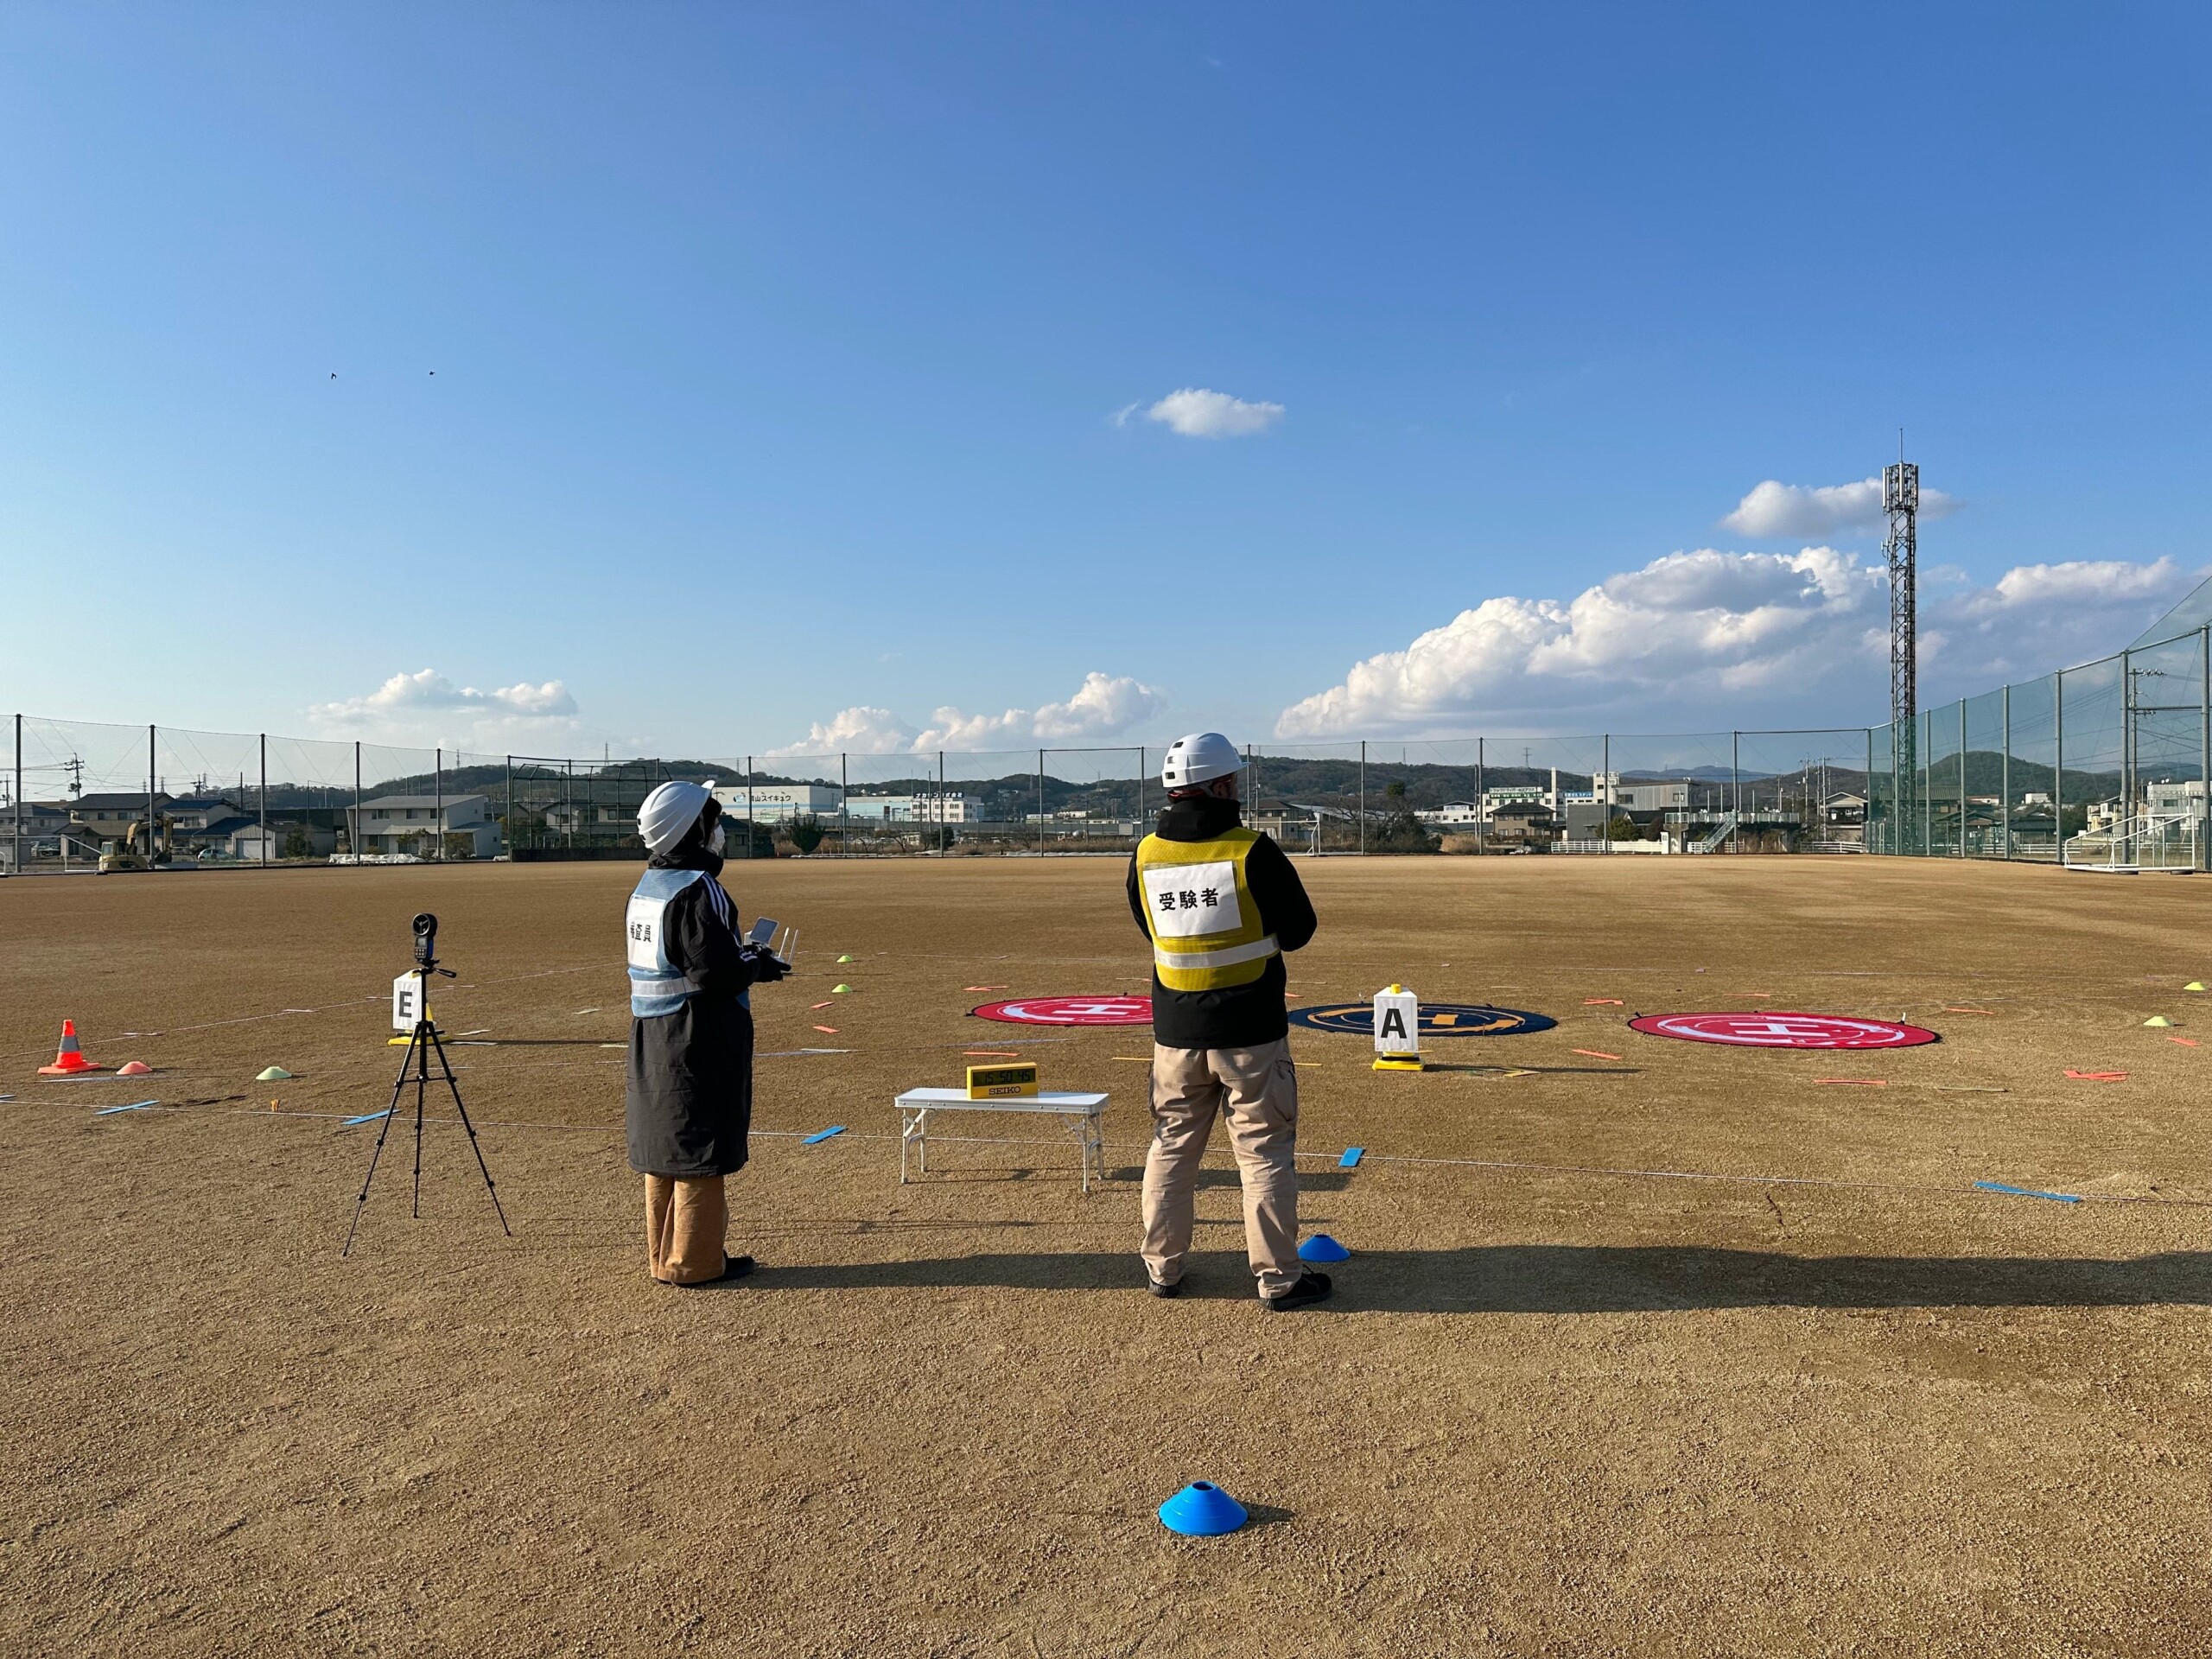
(406, 1002)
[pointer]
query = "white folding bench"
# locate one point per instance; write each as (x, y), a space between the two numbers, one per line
(1080, 1112)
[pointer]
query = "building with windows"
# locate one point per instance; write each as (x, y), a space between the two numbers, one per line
(915, 808)
(778, 803)
(420, 826)
(109, 817)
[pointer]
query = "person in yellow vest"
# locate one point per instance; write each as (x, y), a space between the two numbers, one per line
(1220, 904)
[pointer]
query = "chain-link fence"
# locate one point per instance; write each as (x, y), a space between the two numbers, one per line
(2101, 764)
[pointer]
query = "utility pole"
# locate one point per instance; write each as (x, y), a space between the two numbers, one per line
(1900, 549)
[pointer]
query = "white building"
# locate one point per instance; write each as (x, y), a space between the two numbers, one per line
(2184, 800)
(1465, 814)
(778, 803)
(916, 809)
(414, 824)
(604, 818)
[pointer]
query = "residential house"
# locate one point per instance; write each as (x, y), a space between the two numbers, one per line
(109, 817)
(413, 824)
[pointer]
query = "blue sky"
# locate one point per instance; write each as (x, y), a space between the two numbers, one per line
(778, 352)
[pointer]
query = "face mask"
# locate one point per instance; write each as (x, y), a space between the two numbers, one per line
(714, 841)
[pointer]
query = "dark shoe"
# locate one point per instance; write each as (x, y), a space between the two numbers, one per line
(733, 1267)
(1164, 1291)
(1310, 1288)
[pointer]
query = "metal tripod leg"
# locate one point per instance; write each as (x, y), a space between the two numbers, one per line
(406, 1061)
(453, 1084)
(422, 1082)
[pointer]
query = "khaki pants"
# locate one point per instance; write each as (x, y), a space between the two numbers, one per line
(685, 1224)
(1256, 1090)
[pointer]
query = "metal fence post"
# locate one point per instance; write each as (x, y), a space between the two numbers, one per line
(1482, 815)
(2005, 773)
(1736, 788)
(1923, 742)
(150, 765)
(1363, 795)
(1963, 777)
(2058, 764)
(1605, 766)
(844, 806)
(15, 863)
(2127, 737)
(507, 817)
(2203, 744)
(353, 834)
(265, 800)
(749, 819)
(1867, 810)
(1040, 803)
(1141, 782)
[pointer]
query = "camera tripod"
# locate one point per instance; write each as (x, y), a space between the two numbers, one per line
(420, 1046)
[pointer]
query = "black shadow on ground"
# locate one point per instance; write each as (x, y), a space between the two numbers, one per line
(1582, 1279)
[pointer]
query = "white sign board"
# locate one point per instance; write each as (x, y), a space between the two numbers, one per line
(1188, 902)
(406, 1002)
(1397, 1021)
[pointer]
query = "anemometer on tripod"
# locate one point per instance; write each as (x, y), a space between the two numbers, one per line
(411, 1013)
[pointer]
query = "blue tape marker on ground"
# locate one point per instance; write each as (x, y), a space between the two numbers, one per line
(822, 1135)
(2027, 1192)
(371, 1118)
(136, 1106)
(1352, 1156)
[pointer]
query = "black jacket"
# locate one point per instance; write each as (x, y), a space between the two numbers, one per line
(1244, 1016)
(691, 1093)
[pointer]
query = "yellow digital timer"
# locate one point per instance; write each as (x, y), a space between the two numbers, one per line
(1002, 1081)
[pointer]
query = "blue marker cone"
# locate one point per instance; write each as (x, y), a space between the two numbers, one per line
(1202, 1509)
(1322, 1247)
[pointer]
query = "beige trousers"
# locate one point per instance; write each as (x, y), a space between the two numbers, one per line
(685, 1224)
(1256, 1090)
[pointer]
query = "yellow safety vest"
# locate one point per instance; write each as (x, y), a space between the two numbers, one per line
(1206, 933)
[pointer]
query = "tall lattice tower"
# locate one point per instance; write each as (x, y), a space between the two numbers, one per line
(1901, 501)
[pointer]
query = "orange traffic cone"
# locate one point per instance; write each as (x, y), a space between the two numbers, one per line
(69, 1060)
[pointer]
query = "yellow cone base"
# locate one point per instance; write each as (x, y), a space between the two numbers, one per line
(1398, 1063)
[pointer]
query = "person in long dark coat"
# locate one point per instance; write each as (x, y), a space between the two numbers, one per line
(689, 1108)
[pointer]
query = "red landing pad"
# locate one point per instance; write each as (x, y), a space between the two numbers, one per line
(1766, 1030)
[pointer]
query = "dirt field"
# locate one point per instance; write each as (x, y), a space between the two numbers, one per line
(1846, 1403)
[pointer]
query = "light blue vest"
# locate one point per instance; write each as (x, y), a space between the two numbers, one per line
(656, 987)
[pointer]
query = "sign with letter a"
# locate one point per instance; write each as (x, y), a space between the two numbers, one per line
(1397, 1021)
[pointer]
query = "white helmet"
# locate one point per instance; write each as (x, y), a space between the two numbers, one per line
(667, 814)
(1199, 759)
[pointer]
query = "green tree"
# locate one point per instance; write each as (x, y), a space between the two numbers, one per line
(805, 832)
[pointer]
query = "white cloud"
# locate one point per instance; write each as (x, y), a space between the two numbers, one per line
(1775, 509)
(427, 707)
(1198, 413)
(1737, 638)
(1104, 706)
(2038, 617)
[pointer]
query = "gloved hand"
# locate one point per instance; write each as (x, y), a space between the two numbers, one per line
(768, 967)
